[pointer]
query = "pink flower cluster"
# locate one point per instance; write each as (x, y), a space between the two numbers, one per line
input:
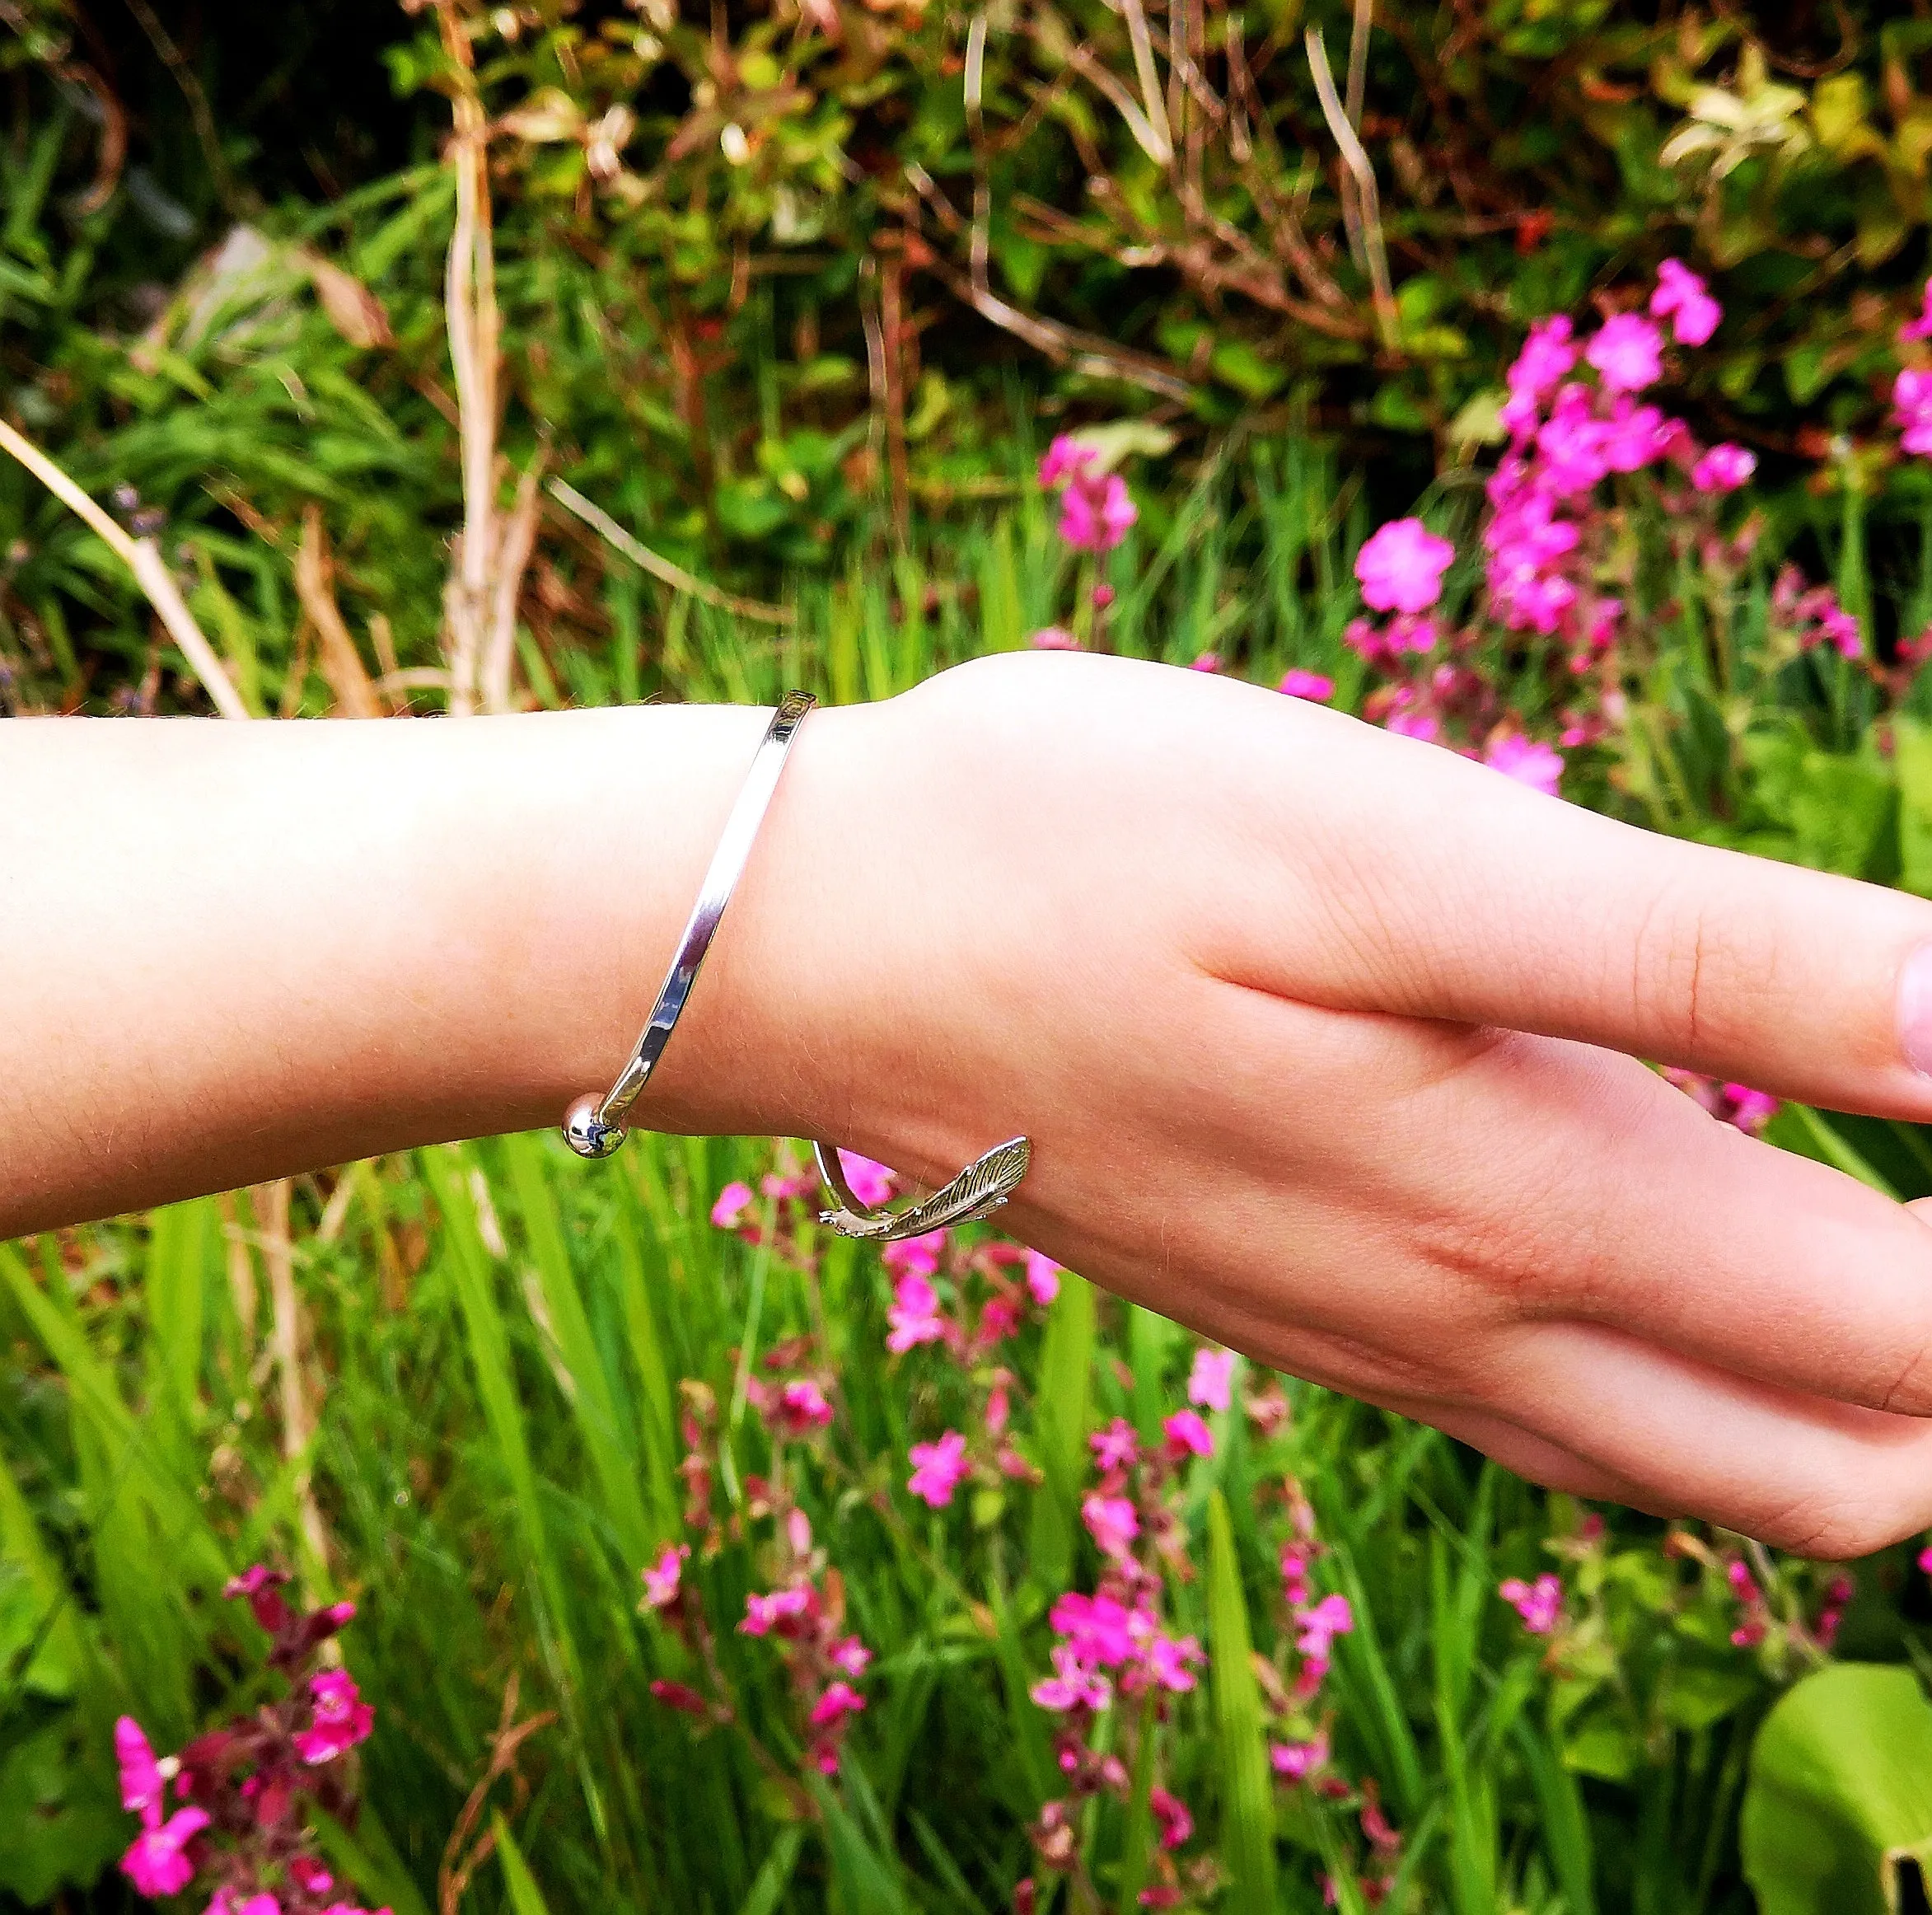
(1811, 618)
(1115, 1642)
(1096, 511)
(240, 1790)
(822, 1658)
(1557, 561)
(1304, 1755)
(1567, 437)
(1540, 1604)
(1010, 1282)
(918, 1315)
(803, 1611)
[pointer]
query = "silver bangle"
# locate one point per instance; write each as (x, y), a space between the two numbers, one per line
(594, 1126)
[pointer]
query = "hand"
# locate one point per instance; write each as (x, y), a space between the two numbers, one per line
(1320, 1035)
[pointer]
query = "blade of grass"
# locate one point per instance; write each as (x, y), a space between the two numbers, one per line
(1247, 1813)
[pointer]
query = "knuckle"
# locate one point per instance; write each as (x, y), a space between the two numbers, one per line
(1909, 1391)
(1701, 968)
(1831, 1524)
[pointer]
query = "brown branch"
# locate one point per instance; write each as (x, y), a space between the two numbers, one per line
(142, 557)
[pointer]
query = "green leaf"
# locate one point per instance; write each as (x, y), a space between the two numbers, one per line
(1066, 1361)
(1839, 1798)
(526, 1897)
(1912, 762)
(1247, 1812)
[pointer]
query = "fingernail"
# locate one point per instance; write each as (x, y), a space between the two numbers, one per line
(1915, 1010)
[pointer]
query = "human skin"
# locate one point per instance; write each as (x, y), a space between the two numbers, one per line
(1326, 1039)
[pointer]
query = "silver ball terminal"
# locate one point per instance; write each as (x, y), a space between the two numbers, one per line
(586, 1133)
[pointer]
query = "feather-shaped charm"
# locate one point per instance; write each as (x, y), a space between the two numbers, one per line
(977, 1191)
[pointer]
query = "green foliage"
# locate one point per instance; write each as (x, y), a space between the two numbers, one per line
(737, 277)
(1839, 1812)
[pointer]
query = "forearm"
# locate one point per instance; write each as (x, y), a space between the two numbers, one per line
(233, 951)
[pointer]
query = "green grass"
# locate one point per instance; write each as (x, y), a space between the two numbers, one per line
(499, 1337)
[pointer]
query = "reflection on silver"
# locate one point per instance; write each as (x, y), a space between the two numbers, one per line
(595, 1127)
(977, 1191)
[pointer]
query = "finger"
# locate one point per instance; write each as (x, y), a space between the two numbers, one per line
(1437, 888)
(1533, 1457)
(1594, 1190)
(1820, 1478)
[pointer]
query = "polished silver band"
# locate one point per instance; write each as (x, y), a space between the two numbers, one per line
(594, 1126)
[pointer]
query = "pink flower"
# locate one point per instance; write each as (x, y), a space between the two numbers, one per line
(870, 1182)
(763, 1613)
(1526, 760)
(1572, 445)
(1633, 436)
(262, 1586)
(1187, 1436)
(1723, 468)
(154, 1863)
(309, 1875)
(263, 1903)
(1400, 566)
(1627, 354)
(1171, 1662)
(681, 1696)
(142, 1785)
(1111, 1522)
(1073, 1685)
(1115, 1447)
(1211, 1379)
(1170, 1812)
(851, 1656)
(1421, 725)
(1298, 1760)
(1311, 686)
(839, 1699)
(1055, 639)
(1206, 661)
(661, 1582)
(1925, 1559)
(1543, 365)
(1750, 1110)
(1922, 327)
(1315, 1628)
(342, 1718)
(937, 1469)
(802, 1406)
(1839, 628)
(1097, 1628)
(1000, 1320)
(1912, 401)
(1043, 1277)
(1680, 292)
(1095, 514)
(913, 1318)
(914, 1256)
(1065, 459)
(998, 1409)
(1539, 1603)
(733, 1201)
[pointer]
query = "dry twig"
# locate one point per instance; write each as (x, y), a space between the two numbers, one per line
(142, 557)
(452, 1875)
(1356, 161)
(660, 567)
